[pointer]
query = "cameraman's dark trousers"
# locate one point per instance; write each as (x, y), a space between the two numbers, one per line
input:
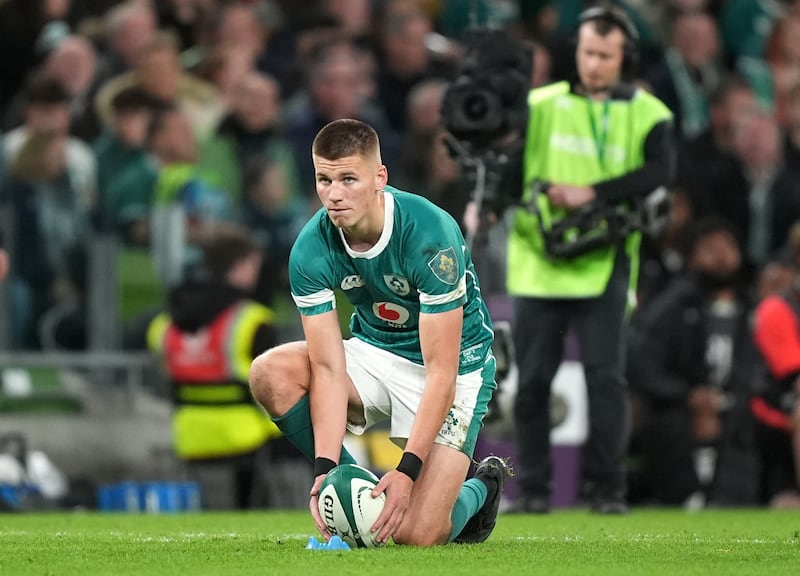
(539, 330)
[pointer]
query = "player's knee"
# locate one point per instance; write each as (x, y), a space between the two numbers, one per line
(267, 371)
(280, 377)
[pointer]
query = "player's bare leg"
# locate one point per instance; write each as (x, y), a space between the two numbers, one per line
(427, 520)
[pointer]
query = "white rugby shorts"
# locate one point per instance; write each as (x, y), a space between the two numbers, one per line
(391, 387)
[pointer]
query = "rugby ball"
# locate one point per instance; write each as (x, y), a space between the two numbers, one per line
(347, 507)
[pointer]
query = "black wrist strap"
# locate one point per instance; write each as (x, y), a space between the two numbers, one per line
(323, 466)
(410, 465)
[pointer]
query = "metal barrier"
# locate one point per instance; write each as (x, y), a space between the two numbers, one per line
(134, 365)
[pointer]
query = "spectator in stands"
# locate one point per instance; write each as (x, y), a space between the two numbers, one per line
(122, 146)
(355, 17)
(423, 119)
(207, 338)
(52, 182)
(130, 26)
(241, 28)
(171, 178)
(691, 70)
(24, 28)
(709, 157)
(339, 83)
(159, 73)
(762, 197)
(250, 134)
(776, 406)
(224, 68)
(404, 59)
(73, 62)
(691, 368)
(274, 212)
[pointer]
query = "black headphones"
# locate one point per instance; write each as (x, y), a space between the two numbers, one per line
(619, 19)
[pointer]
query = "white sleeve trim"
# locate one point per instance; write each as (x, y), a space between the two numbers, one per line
(438, 299)
(316, 299)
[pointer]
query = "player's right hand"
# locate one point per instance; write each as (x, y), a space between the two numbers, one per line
(313, 505)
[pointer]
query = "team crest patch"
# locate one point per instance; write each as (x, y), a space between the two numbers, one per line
(445, 266)
(397, 284)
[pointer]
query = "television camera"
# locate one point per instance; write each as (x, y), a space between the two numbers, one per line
(484, 111)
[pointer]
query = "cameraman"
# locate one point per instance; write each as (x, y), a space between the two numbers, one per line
(601, 146)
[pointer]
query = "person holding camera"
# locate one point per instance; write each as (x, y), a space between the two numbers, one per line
(595, 149)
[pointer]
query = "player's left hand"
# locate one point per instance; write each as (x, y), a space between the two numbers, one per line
(397, 487)
(570, 197)
(313, 506)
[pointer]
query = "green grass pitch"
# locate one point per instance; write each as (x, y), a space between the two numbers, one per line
(646, 542)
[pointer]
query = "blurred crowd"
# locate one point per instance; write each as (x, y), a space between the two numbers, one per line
(113, 109)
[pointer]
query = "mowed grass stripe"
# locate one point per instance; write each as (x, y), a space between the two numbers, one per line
(650, 542)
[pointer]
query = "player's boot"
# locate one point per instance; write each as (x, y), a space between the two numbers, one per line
(493, 472)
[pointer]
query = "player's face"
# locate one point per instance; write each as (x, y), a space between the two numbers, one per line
(599, 58)
(347, 188)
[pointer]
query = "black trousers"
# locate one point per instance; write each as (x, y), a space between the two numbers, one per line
(540, 326)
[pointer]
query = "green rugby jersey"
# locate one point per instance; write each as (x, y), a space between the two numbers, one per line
(420, 264)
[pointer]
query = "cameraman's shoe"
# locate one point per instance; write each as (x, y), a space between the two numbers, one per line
(493, 472)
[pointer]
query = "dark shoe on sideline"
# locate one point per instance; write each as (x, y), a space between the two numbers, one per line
(493, 472)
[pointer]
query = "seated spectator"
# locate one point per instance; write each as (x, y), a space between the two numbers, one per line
(760, 195)
(51, 186)
(404, 60)
(122, 145)
(339, 83)
(776, 407)
(128, 28)
(709, 157)
(691, 70)
(248, 135)
(171, 178)
(159, 73)
(224, 68)
(275, 213)
(73, 62)
(691, 369)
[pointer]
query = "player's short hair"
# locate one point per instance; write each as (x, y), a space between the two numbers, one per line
(345, 137)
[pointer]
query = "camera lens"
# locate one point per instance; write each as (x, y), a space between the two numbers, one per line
(476, 106)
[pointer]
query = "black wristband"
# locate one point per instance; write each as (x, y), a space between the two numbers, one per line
(410, 465)
(323, 466)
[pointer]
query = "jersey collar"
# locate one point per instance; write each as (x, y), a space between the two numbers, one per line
(386, 234)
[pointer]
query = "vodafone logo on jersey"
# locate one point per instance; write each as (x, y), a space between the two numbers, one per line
(392, 313)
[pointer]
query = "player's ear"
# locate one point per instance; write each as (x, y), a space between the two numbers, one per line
(381, 177)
